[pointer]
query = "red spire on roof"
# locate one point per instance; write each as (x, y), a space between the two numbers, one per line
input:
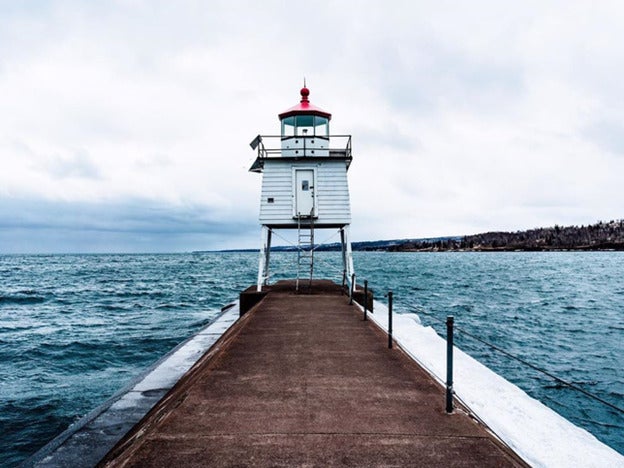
(304, 107)
(305, 92)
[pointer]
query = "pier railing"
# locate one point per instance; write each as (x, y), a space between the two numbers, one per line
(451, 328)
(526, 363)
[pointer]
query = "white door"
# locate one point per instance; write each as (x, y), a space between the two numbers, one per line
(304, 192)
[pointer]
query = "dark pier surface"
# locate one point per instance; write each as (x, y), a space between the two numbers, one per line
(302, 380)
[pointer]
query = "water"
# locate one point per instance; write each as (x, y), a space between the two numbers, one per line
(76, 328)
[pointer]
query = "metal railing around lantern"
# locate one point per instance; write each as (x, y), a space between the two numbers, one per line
(270, 146)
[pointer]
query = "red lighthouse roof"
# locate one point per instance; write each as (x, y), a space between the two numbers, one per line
(305, 108)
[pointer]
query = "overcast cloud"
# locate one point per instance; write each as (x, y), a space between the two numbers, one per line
(125, 124)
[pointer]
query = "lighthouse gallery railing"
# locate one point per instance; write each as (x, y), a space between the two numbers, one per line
(270, 146)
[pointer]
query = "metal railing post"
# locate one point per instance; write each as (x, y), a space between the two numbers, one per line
(352, 288)
(449, 364)
(365, 297)
(344, 280)
(390, 319)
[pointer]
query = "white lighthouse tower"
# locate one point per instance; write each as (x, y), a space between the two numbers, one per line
(304, 186)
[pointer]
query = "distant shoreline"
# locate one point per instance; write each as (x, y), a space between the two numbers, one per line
(429, 250)
(598, 237)
(509, 249)
(601, 236)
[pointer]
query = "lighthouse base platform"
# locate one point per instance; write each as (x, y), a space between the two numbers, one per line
(303, 380)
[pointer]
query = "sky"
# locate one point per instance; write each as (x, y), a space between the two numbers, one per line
(125, 125)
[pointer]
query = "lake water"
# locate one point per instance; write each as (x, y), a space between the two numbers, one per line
(74, 329)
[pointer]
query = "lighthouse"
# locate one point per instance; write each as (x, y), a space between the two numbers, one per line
(304, 187)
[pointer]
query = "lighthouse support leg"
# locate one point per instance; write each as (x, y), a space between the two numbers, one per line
(268, 257)
(344, 257)
(263, 261)
(347, 257)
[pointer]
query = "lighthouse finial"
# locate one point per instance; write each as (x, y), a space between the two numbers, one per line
(305, 92)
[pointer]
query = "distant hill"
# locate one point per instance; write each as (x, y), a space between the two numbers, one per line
(599, 236)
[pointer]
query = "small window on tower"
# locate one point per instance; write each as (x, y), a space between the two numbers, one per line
(288, 127)
(271, 200)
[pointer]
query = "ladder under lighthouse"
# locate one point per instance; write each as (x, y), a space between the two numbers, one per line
(305, 249)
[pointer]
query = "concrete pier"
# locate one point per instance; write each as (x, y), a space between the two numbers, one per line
(302, 380)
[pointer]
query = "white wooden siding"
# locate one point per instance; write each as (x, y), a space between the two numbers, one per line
(332, 192)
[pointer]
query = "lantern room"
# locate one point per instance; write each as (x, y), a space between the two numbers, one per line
(305, 129)
(305, 126)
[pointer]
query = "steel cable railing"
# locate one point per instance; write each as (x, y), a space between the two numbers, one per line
(563, 382)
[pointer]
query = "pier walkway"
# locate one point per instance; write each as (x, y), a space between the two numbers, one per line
(302, 380)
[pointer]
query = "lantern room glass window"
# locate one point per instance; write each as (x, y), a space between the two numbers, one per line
(305, 125)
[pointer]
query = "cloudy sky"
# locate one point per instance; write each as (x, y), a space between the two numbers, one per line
(125, 125)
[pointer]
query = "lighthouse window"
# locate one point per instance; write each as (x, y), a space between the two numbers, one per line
(305, 185)
(304, 125)
(288, 127)
(305, 120)
(321, 126)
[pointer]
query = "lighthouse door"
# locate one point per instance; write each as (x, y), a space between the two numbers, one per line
(304, 192)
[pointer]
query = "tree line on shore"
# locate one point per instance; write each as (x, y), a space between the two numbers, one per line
(599, 236)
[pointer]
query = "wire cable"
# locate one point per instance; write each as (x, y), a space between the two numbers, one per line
(528, 364)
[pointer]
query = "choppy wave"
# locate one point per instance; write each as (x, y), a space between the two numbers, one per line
(22, 297)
